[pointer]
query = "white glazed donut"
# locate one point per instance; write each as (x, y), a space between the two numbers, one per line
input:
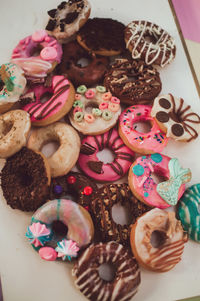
(105, 110)
(176, 118)
(62, 161)
(14, 128)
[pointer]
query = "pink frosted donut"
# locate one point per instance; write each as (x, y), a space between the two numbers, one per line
(96, 169)
(50, 53)
(44, 113)
(144, 143)
(160, 195)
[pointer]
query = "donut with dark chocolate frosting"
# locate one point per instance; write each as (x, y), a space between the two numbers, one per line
(101, 210)
(25, 180)
(88, 75)
(125, 283)
(133, 81)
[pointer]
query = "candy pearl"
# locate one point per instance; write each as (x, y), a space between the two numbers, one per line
(48, 53)
(57, 189)
(71, 179)
(39, 35)
(87, 190)
(86, 208)
(48, 253)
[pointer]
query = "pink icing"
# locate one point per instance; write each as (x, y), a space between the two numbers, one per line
(47, 253)
(48, 53)
(89, 94)
(144, 184)
(103, 106)
(153, 141)
(123, 156)
(41, 111)
(39, 35)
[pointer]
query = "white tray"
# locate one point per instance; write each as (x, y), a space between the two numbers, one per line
(25, 277)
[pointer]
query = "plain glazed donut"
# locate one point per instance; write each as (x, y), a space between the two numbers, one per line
(143, 143)
(37, 67)
(167, 251)
(188, 212)
(25, 180)
(105, 110)
(14, 129)
(43, 238)
(101, 209)
(164, 194)
(62, 161)
(132, 81)
(176, 118)
(96, 169)
(127, 277)
(149, 42)
(45, 113)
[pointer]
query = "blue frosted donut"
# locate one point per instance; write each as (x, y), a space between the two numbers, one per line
(189, 213)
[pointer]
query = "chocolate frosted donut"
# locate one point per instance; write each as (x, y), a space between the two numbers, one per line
(133, 82)
(25, 180)
(127, 276)
(101, 208)
(75, 184)
(103, 36)
(149, 42)
(88, 75)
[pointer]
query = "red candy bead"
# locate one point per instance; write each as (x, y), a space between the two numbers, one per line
(87, 190)
(71, 179)
(86, 208)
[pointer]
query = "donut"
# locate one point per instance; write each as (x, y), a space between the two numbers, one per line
(12, 85)
(127, 274)
(37, 66)
(143, 143)
(96, 169)
(65, 157)
(88, 75)
(164, 194)
(50, 240)
(165, 251)
(176, 118)
(61, 100)
(75, 185)
(14, 129)
(101, 210)
(68, 18)
(103, 36)
(149, 42)
(25, 180)
(188, 212)
(132, 81)
(94, 111)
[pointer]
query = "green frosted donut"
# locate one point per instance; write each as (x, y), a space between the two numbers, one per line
(188, 212)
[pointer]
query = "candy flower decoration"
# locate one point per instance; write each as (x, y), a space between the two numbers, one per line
(38, 234)
(67, 249)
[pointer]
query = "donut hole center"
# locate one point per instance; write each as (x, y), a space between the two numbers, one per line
(83, 62)
(106, 156)
(142, 126)
(1, 84)
(150, 39)
(59, 229)
(46, 96)
(36, 51)
(50, 147)
(25, 179)
(107, 272)
(158, 238)
(158, 178)
(6, 126)
(121, 215)
(91, 105)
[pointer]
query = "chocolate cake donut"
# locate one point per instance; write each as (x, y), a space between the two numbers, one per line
(88, 75)
(103, 36)
(101, 209)
(127, 274)
(25, 180)
(133, 81)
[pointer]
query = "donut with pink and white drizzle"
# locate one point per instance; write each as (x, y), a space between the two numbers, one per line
(96, 169)
(149, 42)
(36, 67)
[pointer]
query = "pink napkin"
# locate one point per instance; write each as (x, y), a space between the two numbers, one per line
(188, 13)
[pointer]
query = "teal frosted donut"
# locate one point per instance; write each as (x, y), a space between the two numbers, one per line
(188, 212)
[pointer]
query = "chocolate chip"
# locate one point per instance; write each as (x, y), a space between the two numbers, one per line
(164, 103)
(162, 117)
(62, 27)
(51, 25)
(95, 166)
(71, 17)
(62, 5)
(52, 13)
(177, 129)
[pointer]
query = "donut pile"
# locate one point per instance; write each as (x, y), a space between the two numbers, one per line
(49, 94)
